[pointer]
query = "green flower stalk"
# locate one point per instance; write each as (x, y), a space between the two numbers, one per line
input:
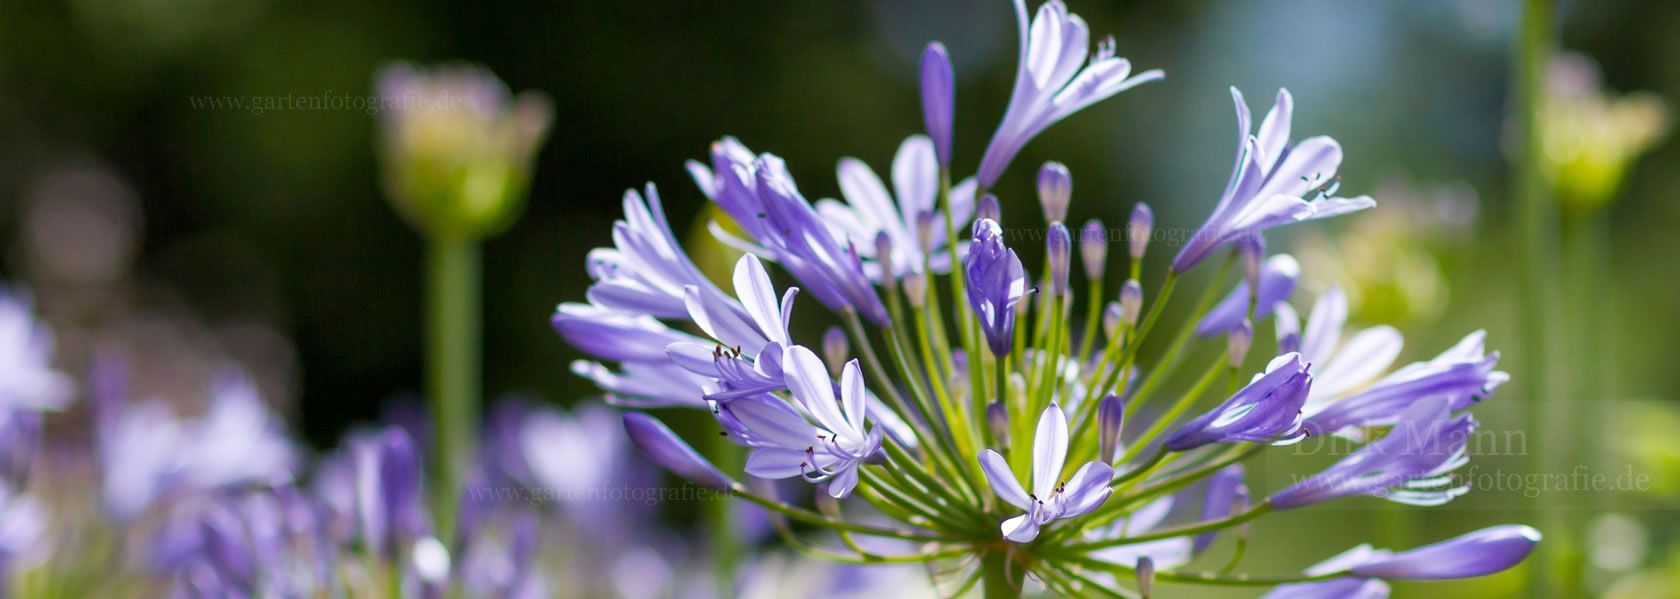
(456, 154)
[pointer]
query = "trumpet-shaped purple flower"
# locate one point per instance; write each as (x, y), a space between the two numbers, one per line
(870, 211)
(1463, 375)
(1478, 553)
(1273, 183)
(26, 348)
(1413, 464)
(1486, 551)
(1050, 499)
(646, 270)
(615, 335)
(1053, 80)
(1277, 281)
(1267, 410)
(786, 444)
(996, 283)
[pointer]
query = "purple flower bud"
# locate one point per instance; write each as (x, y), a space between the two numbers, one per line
(997, 417)
(1238, 341)
(915, 289)
(1145, 575)
(1112, 317)
(1478, 553)
(1111, 418)
(663, 447)
(1131, 301)
(1139, 229)
(883, 257)
(1059, 245)
(996, 284)
(1055, 191)
(924, 231)
(989, 209)
(1277, 281)
(835, 348)
(1093, 248)
(1288, 325)
(1253, 251)
(938, 99)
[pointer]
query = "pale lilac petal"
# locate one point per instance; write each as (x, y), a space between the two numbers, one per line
(1363, 358)
(1020, 529)
(1274, 130)
(1087, 489)
(768, 417)
(758, 296)
(663, 447)
(1050, 445)
(853, 395)
(1003, 480)
(808, 379)
(1324, 325)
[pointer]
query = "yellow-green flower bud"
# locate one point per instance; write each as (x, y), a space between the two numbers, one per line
(457, 149)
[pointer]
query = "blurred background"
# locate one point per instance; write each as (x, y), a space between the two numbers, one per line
(156, 195)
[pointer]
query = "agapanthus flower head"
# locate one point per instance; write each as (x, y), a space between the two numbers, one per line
(1053, 80)
(1275, 182)
(938, 431)
(1051, 498)
(457, 149)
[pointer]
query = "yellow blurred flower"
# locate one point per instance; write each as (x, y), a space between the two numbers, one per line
(1591, 137)
(456, 150)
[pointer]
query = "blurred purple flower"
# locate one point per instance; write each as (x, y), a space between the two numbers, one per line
(1277, 282)
(1267, 410)
(29, 381)
(869, 210)
(996, 283)
(1412, 464)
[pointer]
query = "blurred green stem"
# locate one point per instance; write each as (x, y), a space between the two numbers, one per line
(724, 544)
(452, 366)
(1537, 230)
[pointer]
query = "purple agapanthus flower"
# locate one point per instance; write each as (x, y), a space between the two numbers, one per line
(1463, 375)
(1412, 464)
(869, 210)
(1051, 498)
(646, 270)
(1277, 282)
(665, 448)
(996, 283)
(1053, 80)
(1266, 410)
(786, 444)
(1479, 553)
(1274, 182)
(615, 335)
(26, 349)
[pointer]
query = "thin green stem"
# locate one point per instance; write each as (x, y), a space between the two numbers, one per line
(453, 332)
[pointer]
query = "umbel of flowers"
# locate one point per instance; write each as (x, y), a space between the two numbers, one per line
(969, 403)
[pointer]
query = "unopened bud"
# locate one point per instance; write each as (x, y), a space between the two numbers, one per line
(835, 348)
(915, 289)
(1055, 190)
(1139, 229)
(1288, 326)
(1113, 315)
(997, 417)
(884, 258)
(1145, 576)
(1093, 248)
(1252, 248)
(1237, 343)
(1059, 245)
(924, 231)
(1131, 300)
(1111, 417)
